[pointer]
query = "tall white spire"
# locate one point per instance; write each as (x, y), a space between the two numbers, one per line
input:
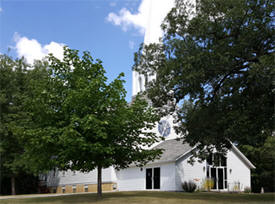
(157, 11)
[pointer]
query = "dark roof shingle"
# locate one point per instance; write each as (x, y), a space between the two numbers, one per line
(172, 149)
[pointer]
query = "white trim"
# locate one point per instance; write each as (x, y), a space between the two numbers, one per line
(185, 153)
(151, 164)
(84, 183)
(237, 151)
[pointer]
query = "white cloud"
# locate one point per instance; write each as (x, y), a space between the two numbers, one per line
(131, 44)
(32, 50)
(147, 20)
(56, 49)
(1, 9)
(126, 19)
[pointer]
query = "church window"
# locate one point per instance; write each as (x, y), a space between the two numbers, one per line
(223, 160)
(225, 177)
(86, 188)
(207, 172)
(216, 159)
(209, 159)
(74, 188)
(216, 169)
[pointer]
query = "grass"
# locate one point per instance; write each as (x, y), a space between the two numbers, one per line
(152, 197)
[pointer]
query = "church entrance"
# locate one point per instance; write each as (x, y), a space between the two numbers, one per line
(217, 171)
(153, 178)
(218, 175)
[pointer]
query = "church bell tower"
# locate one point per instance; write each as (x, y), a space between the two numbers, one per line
(153, 33)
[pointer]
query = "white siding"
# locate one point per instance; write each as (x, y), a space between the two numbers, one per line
(240, 172)
(108, 175)
(187, 172)
(133, 179)
(168, 174)
(172, 175)
(239, 176)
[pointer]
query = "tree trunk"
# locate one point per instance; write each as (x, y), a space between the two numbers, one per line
(13, 185)
(99, 181)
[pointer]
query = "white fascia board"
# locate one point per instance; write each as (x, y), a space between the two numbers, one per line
(237, 151)
(185, 153)
(152, 164)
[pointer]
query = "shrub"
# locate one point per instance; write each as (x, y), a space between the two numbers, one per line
(189, 186)
(208, 184)
(236, 187)
(247, 190)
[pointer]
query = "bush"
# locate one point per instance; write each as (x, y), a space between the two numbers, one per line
(208, 184)
(247, 190)
(189, 186)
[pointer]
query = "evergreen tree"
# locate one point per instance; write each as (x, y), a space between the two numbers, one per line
(13, 119)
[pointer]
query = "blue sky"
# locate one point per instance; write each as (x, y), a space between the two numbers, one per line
(110, 29)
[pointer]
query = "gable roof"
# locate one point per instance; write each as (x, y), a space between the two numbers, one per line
(172, 150)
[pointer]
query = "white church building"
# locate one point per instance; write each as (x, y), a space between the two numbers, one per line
(229, 173)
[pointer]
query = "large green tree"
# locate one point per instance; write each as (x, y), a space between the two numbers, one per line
(13, 118)
(82, 122)
(215, 66)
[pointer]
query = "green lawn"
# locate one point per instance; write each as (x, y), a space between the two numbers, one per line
(151, 197)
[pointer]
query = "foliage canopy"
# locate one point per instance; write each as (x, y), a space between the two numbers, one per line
(216, 65)
(81, 122)
(13, 120)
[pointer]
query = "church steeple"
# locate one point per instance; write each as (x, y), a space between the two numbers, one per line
(153, 33)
